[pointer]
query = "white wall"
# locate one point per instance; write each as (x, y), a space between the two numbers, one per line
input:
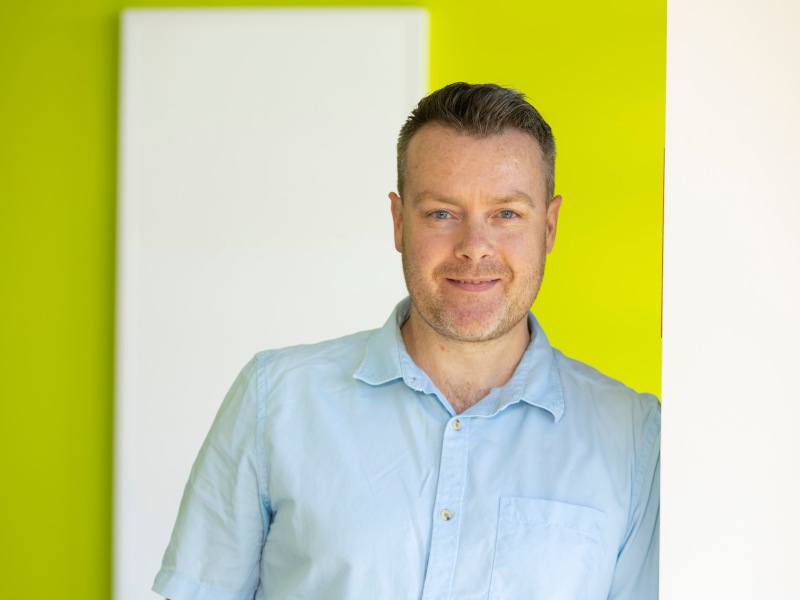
(256, 154)
(731, 449)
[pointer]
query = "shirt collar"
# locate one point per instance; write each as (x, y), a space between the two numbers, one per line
(535, 380)
(381, 362)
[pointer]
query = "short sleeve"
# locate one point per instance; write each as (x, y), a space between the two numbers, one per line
(636, 571)
(215, 548)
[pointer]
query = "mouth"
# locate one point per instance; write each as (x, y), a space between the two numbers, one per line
(473, 285)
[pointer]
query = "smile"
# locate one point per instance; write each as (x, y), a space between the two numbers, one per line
(473, 285)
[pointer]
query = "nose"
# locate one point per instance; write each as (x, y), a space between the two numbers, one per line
(474, 242)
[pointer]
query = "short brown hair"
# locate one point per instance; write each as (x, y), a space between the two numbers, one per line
(480, 110)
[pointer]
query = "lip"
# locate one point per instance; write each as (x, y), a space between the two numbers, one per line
(478, 285)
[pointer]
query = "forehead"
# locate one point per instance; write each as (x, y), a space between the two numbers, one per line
(444, 160)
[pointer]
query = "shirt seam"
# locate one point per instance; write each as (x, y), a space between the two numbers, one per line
(648, 446)
(261, 459)
(494, 552)
(556, 381)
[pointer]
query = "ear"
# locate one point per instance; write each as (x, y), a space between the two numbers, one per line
(551, 221)
(397, 219)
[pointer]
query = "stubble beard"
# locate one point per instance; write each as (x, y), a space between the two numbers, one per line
(465, 323)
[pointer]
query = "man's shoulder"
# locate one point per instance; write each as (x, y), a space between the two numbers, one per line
(341, 353)
(584, 383)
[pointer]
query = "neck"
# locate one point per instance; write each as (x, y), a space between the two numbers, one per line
(464, 372)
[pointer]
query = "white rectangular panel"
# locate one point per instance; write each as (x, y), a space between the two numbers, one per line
(731, 348)
(256, 154)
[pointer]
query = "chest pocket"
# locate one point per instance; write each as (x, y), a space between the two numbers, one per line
(546, 550)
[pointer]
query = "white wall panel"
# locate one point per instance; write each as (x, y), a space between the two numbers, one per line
(731, 449)
(256, 152)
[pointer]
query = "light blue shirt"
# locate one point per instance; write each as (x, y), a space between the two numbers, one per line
(338, 471)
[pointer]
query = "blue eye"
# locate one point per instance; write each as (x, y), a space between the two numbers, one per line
(507, 214)
(440, 214)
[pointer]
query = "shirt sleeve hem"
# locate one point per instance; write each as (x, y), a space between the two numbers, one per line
(175, 586)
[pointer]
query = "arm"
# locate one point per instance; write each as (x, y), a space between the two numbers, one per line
(636, 571)
(215, 548)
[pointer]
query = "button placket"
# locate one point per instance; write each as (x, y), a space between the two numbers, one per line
(447, 516)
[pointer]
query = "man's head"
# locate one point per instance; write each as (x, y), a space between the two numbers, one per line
(479, 110)
(475, 216)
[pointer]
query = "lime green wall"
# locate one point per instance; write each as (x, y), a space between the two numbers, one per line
(595, 70)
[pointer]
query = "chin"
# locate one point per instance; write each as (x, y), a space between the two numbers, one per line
(469, 319)
(471, 328)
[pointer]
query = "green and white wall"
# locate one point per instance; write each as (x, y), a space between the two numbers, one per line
(596, 71)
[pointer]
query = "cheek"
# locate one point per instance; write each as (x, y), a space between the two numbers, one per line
(522, 252)
(520, 244)
(424, 250)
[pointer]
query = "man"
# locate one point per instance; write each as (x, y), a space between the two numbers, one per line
(452, 453)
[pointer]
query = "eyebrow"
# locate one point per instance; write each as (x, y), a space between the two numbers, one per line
(515, 196)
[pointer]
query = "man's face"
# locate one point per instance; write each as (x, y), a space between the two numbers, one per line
(474, 229)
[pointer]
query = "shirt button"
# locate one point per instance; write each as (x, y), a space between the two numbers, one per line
(456, 424)
(446, 515)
